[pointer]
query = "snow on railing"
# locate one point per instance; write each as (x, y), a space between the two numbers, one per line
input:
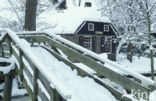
(106, 61)
(86, 51)
(26, 50)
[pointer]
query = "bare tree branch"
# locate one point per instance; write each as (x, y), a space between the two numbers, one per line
(16, 13)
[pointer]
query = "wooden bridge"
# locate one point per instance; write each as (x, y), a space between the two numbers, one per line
(10, 45)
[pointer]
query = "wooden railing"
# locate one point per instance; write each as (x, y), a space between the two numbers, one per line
(82, 55)
(30, 72)
(33, 77)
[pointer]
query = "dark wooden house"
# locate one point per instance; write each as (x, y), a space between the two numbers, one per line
(87, 27)
(99, 37)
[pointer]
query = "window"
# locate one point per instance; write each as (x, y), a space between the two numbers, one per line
(108, 44)
(91, 27)
(87, 42)
(106, 28)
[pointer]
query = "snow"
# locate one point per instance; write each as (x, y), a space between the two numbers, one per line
(2, 35)
(139, 64)
(76, 85)
(67, 21)
(153, 28)
(7, 69)
(15, 90)
(152, 96)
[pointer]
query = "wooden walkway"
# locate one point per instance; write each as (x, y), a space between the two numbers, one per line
(10, 45)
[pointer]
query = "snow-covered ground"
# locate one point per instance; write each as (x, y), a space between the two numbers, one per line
(138, 64)
(15, 91)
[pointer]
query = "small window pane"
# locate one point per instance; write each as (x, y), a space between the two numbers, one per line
(87, 42)
(106, 28)
(91, 27)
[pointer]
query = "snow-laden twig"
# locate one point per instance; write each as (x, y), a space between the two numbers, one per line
(16, 13)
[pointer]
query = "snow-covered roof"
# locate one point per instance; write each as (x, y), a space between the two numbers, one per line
(67, 21)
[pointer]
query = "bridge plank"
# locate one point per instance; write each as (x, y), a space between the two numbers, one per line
(30, 63)
(42, 95)
(45, 82)
(15, 54)
(28, 74)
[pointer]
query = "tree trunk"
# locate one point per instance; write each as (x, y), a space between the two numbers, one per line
(30, 15)
(79, 3)
(150, 42)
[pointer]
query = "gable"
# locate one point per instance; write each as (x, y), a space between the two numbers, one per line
(99, 28)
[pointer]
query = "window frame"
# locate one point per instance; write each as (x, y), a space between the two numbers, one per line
(105, 28)
(88, 42)
(106, 38)
(89, 26)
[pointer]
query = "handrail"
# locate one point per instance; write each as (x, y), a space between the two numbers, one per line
(25, 48)
(88, 52)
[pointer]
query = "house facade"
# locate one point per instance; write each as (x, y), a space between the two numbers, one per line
(98, 37)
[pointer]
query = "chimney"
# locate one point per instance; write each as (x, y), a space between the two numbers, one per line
(88, 4)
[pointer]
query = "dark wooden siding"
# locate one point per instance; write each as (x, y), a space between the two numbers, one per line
(94, 43)
(98, 26)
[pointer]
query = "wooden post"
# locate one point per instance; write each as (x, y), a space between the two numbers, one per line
(58, 97)
(10, 48)
(35, 85)
(2, 51)
(52, 95)
(8, 86)
(21, 63)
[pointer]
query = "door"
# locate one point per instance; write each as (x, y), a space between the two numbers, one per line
(106, 44)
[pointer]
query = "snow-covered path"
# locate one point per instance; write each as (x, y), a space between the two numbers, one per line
(81, 89)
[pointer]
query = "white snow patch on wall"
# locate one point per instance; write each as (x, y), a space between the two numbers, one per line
(152, 96)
